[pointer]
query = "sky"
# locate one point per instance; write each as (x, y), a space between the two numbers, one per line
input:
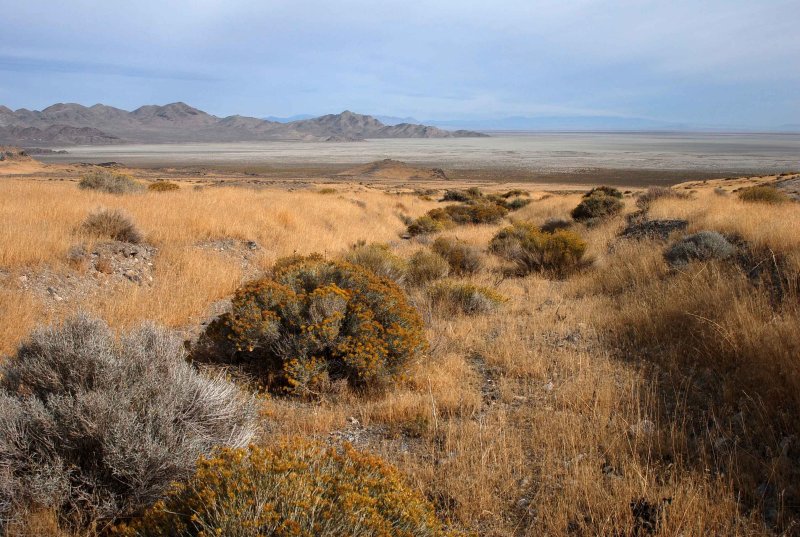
(697, 62)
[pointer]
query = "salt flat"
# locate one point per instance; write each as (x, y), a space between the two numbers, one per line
(542, 152)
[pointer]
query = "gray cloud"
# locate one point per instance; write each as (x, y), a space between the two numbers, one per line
(714, 62)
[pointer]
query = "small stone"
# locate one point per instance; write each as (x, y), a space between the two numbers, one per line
(548, 387)
(23, 279)
(352, 421)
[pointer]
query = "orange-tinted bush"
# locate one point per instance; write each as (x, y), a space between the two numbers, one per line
(297, 488)
(316, 321)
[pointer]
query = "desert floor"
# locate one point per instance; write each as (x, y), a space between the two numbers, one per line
(558, 413)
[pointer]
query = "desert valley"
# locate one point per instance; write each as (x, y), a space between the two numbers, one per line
(564, 366)
(304, 268)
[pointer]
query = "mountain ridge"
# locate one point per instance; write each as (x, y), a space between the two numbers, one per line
(73, 124)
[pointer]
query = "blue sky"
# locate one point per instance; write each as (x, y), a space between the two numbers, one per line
(706, 63)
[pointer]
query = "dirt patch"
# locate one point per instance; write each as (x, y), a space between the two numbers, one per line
(790, 185)
(92, 269)
(245, 252)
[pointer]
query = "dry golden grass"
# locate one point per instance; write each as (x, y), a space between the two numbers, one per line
(548, 416)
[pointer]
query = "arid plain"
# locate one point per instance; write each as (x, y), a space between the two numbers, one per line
(627, 395)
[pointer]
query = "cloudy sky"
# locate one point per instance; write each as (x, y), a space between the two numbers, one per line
(701, 62)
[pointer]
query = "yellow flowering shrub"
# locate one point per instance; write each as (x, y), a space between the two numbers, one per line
(297, 488)
(534, 250)
(315, 320)
(163, 186)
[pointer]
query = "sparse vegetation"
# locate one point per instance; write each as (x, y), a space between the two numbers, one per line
(111, 224)
(319, 321)
(462, 258)
(95, 429)
(109, 182)
(700, 246)
(378, 259)
(294, 488)
(462, 214)
(762, 194)
(669, 397)
(163, 186)
(533, 250)
(452, 297)
(425, 266)
(604, 191)
(654, 193)
(598, 203)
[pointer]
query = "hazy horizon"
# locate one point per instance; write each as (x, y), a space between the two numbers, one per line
(728, 65)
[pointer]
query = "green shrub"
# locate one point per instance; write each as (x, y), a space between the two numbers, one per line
(556, 224)
(112, 224)
(378, 259)
(482, 212)
(516, 204)
(533, 250)
(462, 258)
(317, 321)
(294, 488)
(701, 246)
(597, 205)
(426, 266)
(763, 194)
(604, 191)
(163, 186)
(109, 182)
(425, 225)
(463, 196)
(96, 427)
(451, 297)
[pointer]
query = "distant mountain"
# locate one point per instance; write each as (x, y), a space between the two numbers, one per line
(394, 120)
(288, 119)
(556, 123)
(66, 124)
(354, 126)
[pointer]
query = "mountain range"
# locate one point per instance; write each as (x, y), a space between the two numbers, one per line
(74, 124)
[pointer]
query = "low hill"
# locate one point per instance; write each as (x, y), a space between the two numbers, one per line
(394, 170)
(68, 124)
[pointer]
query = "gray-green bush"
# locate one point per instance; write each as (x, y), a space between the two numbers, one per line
(109, 182)
(700, 246)
(96, 428)
(112, 224)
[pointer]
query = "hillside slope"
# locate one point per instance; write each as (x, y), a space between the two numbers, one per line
(67, 124)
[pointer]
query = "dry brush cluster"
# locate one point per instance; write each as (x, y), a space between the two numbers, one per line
(316, 321)
(473, 207)
(123, 435)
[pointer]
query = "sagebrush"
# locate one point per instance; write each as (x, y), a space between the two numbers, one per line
(111, 224)
(95, 428)
(109, 182)
(463, 258)
(534, 250)
(379, 259)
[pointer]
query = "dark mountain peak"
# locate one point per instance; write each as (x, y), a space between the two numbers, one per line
(62, 107)
(169, 111)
